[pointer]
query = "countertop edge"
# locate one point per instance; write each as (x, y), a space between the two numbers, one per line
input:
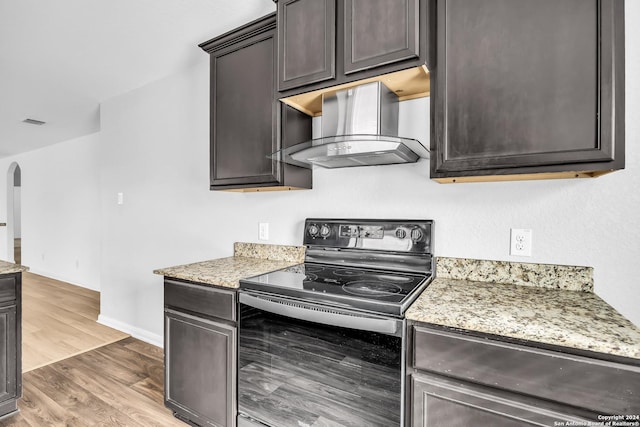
(10, 268)
(166, 271)
(223, 272)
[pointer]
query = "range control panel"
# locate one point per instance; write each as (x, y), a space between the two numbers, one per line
(362, 232)
(385, 235)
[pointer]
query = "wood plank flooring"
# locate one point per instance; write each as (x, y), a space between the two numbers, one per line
(80, 373)
(59, 321)
(120, 384)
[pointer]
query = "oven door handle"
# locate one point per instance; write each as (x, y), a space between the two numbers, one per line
(324, 315)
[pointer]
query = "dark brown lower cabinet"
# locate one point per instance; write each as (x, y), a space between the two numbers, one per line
(200, 354)
(441, 402)
(459, 379)
(10, 343)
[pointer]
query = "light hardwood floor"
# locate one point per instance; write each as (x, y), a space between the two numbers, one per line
(59, 321)
(80, 373)
(120, 384)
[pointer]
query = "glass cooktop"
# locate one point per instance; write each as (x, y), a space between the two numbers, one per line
(371, 290)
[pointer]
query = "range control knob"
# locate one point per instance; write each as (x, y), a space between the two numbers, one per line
(401, 233)
(313, 230)
(416, 234)
(325, 231)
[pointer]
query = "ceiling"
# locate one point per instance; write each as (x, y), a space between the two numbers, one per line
(60, 59)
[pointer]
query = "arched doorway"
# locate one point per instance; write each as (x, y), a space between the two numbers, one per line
(14, 214)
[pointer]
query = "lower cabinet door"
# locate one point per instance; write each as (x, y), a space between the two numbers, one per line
(8, 355)
(441, 402)
(200, 365)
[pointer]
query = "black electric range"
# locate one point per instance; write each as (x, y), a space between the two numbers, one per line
(317, 325)
(376, 266)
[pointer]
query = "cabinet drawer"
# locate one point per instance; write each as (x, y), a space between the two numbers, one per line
(600, 386)
(8, 287)
(439, 401)
(200, 299)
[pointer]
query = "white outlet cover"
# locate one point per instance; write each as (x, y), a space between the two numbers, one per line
(521, 242)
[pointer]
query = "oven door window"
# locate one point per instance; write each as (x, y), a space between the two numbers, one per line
(298, 373)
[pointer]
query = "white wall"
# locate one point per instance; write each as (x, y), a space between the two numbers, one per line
(60, 210)
(153, 147)
(154, 150)
(8, 232)
(17, 214)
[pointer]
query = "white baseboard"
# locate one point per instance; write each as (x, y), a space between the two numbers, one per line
(135, 332)
(62, 279)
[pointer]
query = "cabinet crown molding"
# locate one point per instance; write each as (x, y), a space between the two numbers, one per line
(252, 29)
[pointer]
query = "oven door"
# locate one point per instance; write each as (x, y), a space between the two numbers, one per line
(303, 364)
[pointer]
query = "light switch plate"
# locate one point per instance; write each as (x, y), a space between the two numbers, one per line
(263, 231)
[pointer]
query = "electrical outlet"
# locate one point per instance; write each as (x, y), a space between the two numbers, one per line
(263, 231)
(121, 198)
(521, 240)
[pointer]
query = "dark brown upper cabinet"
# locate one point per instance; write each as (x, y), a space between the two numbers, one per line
(307, 33)
(380, 32)
(324, 43)
(245, 114)
(527, 89)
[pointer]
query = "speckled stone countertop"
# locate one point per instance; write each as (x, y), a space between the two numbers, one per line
(517, 273)
(552, 313)
(9, 267)
(250, 259)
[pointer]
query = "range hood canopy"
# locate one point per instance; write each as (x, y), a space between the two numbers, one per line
(359, 128)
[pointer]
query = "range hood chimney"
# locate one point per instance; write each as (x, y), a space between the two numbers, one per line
(359, 128)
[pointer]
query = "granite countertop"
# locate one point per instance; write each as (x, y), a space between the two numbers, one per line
(549, 304)
(9, 267)
(249, 259)
(562, 312)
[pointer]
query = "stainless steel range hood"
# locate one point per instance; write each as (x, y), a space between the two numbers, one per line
(359, 128)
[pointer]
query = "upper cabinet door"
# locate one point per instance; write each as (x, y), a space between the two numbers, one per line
(528, 87)
(326, 43)
(306, 42)
(379, 32)
(243, 113)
